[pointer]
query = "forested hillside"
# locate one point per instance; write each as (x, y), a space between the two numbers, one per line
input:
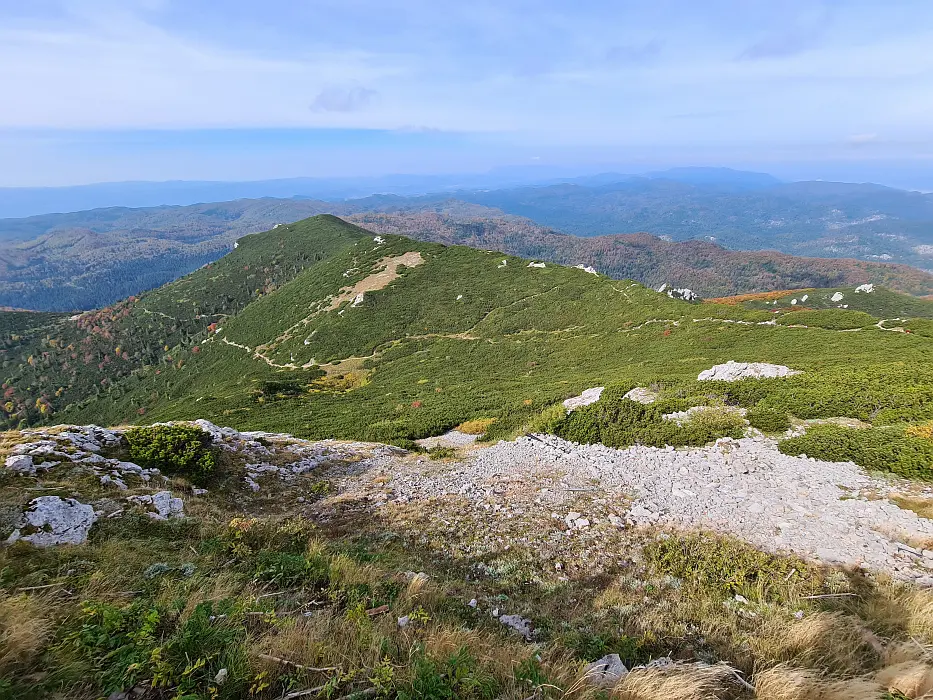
(702, 266)
(824, 219)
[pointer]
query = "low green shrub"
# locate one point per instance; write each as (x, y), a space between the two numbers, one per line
(619, 422)
(143, 643)
(442, 452)
(181, 450)
(883, 449)
(830, 319)
(725, 564)
(768, 420)
(287, 569)
(456, 676)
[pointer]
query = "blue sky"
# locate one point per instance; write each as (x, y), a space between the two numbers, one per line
(96, 90)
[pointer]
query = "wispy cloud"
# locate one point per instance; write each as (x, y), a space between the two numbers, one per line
(343, 99)
(858, 140)
(800, 31)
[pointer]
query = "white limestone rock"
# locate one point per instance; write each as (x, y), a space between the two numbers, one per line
(56, 521)
(585, 399)
(21, 464)
(734, 371)
(641, 395)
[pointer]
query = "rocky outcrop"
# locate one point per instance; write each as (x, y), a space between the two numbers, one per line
(51, 520)
(734, 371)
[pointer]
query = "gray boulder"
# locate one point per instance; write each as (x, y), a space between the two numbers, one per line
(161, 505)
(56, 521)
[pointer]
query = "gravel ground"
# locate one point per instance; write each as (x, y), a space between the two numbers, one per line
(833, 512)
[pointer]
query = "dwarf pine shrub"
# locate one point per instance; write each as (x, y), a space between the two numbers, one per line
(180, 450)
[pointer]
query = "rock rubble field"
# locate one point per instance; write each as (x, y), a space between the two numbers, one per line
(832, 512)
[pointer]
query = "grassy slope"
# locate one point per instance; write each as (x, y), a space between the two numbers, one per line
(68, 361)
(517, 341)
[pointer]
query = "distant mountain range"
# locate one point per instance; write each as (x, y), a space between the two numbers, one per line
(89, 259)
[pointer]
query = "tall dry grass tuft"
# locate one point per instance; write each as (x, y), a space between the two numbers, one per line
(677, 682)
(821, 640)
(326, 639)
(912, 678)
(787, 683)
(23, 631)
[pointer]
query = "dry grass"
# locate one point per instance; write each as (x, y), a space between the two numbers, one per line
(677, 682)
(912, 678)
(388, 273)
(924, 431)
(829, 640)
(898, 610)
(921, 506)
(477, 426)
(23, 630)
(788, 683)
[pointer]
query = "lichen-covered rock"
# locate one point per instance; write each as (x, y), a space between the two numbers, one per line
(518, 624)
(734, 371)
(53, 520)
(605, 672)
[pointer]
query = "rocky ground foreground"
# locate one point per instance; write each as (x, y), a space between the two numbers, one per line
(535, 486)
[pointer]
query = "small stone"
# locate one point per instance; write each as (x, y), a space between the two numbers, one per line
(605, 672)
(20, 463)
(472, 603)
(221, 676)
(519, 624)
(403, 621)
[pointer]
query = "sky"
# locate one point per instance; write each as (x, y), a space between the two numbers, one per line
(110, 90)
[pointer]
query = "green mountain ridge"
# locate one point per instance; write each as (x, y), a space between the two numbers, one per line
(324, 329)
(90, 259)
